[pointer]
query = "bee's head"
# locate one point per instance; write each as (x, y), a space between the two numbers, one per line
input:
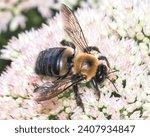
(101, 73)
(102, 70)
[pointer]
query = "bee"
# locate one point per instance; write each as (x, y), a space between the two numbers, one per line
(70, 64)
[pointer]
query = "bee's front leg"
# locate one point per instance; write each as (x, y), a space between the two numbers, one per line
(89, 48)
(77, 97)
(95, 86)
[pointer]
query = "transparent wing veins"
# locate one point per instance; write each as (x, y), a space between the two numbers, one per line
(73, 29)
(51, 89)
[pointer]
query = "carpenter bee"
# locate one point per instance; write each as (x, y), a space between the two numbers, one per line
(70, 64)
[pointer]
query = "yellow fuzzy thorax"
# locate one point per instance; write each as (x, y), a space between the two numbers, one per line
(86, 64)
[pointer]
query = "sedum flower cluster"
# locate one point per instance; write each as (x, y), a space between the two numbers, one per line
(120, 29)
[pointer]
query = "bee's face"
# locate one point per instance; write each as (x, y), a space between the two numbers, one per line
(101, 73)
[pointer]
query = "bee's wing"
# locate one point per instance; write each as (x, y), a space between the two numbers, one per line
(73, 29)
(51, 89)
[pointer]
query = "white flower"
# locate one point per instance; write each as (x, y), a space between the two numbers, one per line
(5, 18)
(17, 21)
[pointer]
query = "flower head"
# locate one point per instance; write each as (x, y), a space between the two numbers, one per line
(132, 80)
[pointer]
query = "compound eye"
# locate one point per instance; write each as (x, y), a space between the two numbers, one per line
(103, 68)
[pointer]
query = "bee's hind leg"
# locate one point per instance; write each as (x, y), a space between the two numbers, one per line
(77, 97)
(67, 43)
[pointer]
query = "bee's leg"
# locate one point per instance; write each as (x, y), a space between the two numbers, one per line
(104, 58)
(77, 97)
(95, 85)
(93, 48)
(67, 43)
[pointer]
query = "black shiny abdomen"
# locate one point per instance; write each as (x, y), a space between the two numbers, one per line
(48, 62)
